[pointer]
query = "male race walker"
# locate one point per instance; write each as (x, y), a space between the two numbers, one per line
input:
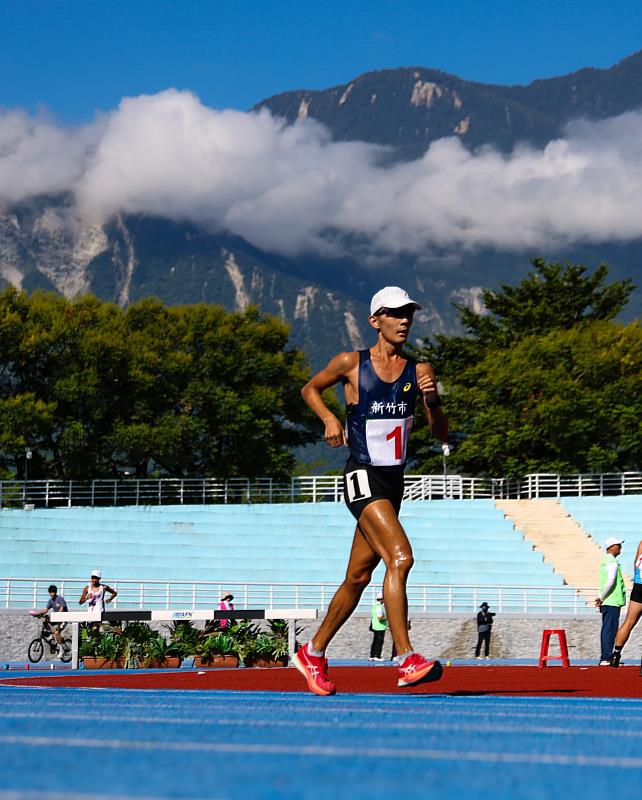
(381, 385)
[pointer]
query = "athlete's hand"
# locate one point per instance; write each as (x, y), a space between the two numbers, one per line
(598, 602)
(334, 433)
(427, 385)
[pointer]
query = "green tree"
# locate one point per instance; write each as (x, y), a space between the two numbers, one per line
(184, 391)
(544, 382)
(552, 296)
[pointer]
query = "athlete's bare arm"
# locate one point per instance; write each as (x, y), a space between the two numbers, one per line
(427, 385)
(83, 596)
(113, 593)
(342, 368)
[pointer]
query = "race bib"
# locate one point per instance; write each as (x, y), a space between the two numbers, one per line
(357, 485)
(387, 440)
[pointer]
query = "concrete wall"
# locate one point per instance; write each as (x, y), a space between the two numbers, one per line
(446, 636)
(455, 636)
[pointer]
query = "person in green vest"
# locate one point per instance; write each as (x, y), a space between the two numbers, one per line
(378, 626)
(634, 612)
(612, 597)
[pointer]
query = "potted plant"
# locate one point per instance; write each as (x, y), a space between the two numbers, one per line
(136, 640)
(270, 648)
(217, 650)
(115, 647)
(102, 650)
(185, 635)
(159, 653)
(244, 634)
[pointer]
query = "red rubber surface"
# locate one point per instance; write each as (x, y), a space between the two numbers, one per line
(528, 681)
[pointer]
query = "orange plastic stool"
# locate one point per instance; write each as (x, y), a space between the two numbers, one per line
(543, 653)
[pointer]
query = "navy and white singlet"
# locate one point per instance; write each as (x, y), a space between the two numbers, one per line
(379, 424)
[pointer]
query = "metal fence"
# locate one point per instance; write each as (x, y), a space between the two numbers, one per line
(304, 489)
(32, 593)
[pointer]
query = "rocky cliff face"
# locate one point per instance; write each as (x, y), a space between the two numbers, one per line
(41, 246)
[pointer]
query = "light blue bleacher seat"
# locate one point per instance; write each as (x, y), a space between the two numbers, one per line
(602, 517)
(454, 542)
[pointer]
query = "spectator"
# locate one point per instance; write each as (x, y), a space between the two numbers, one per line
(94, 595)
(633, 613)
(226, 605)
(56, 603)
(484, 630)
(378, 626)
(612, 598)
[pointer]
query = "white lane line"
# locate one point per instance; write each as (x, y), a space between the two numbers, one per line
(241, 708)
(331, 710)
(420, 703)
(328, 751)
(455, 727)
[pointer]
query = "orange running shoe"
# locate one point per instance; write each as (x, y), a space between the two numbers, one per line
(417, 669)
(315, 670)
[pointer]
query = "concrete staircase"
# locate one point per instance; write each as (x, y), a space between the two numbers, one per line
(563, 543)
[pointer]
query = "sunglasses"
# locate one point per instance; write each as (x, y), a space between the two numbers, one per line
(397, 313)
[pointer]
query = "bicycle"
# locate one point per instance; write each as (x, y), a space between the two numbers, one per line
(46, 637)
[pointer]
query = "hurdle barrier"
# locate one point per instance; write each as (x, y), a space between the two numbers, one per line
(292, 615)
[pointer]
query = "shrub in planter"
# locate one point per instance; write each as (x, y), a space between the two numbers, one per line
(185, 635)
(268, 651)
(267, 648)
(115, 647)
(101, 650)
(244, 634)
(217, 650)
(137, 638)
(96, 662)
(161, 653)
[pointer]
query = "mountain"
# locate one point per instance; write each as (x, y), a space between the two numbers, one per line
(43, 245)
(408, 109)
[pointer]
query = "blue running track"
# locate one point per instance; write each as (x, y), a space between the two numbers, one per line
(116, 744)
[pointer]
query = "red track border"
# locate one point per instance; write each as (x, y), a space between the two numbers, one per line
(457, 681)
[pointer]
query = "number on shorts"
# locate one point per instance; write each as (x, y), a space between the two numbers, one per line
(358, 485)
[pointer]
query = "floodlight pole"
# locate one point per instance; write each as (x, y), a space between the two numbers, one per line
(445, 451)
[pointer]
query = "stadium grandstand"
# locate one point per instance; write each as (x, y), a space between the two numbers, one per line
(533, 553)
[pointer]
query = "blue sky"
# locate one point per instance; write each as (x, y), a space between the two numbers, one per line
(75, 58)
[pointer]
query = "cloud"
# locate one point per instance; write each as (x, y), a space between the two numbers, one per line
(291, 189)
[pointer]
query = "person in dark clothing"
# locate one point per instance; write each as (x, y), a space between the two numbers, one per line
(378, 626)
(484, 629)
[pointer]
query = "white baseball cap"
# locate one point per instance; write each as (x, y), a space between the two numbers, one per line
(391, 297)
(95, 573)
(611, 541)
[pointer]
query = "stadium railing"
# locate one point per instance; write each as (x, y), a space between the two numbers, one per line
(32, 593)
(307, 489)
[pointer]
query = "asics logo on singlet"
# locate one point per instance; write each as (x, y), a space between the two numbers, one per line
(407, 387)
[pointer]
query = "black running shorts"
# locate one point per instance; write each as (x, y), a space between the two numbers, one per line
(636, 593)
(363, 484)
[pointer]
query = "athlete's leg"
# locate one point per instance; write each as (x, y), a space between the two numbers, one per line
(361, 565)
(385, 535)
(632, 616)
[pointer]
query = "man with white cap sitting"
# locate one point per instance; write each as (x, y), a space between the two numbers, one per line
(381, 385)
(612, 597)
